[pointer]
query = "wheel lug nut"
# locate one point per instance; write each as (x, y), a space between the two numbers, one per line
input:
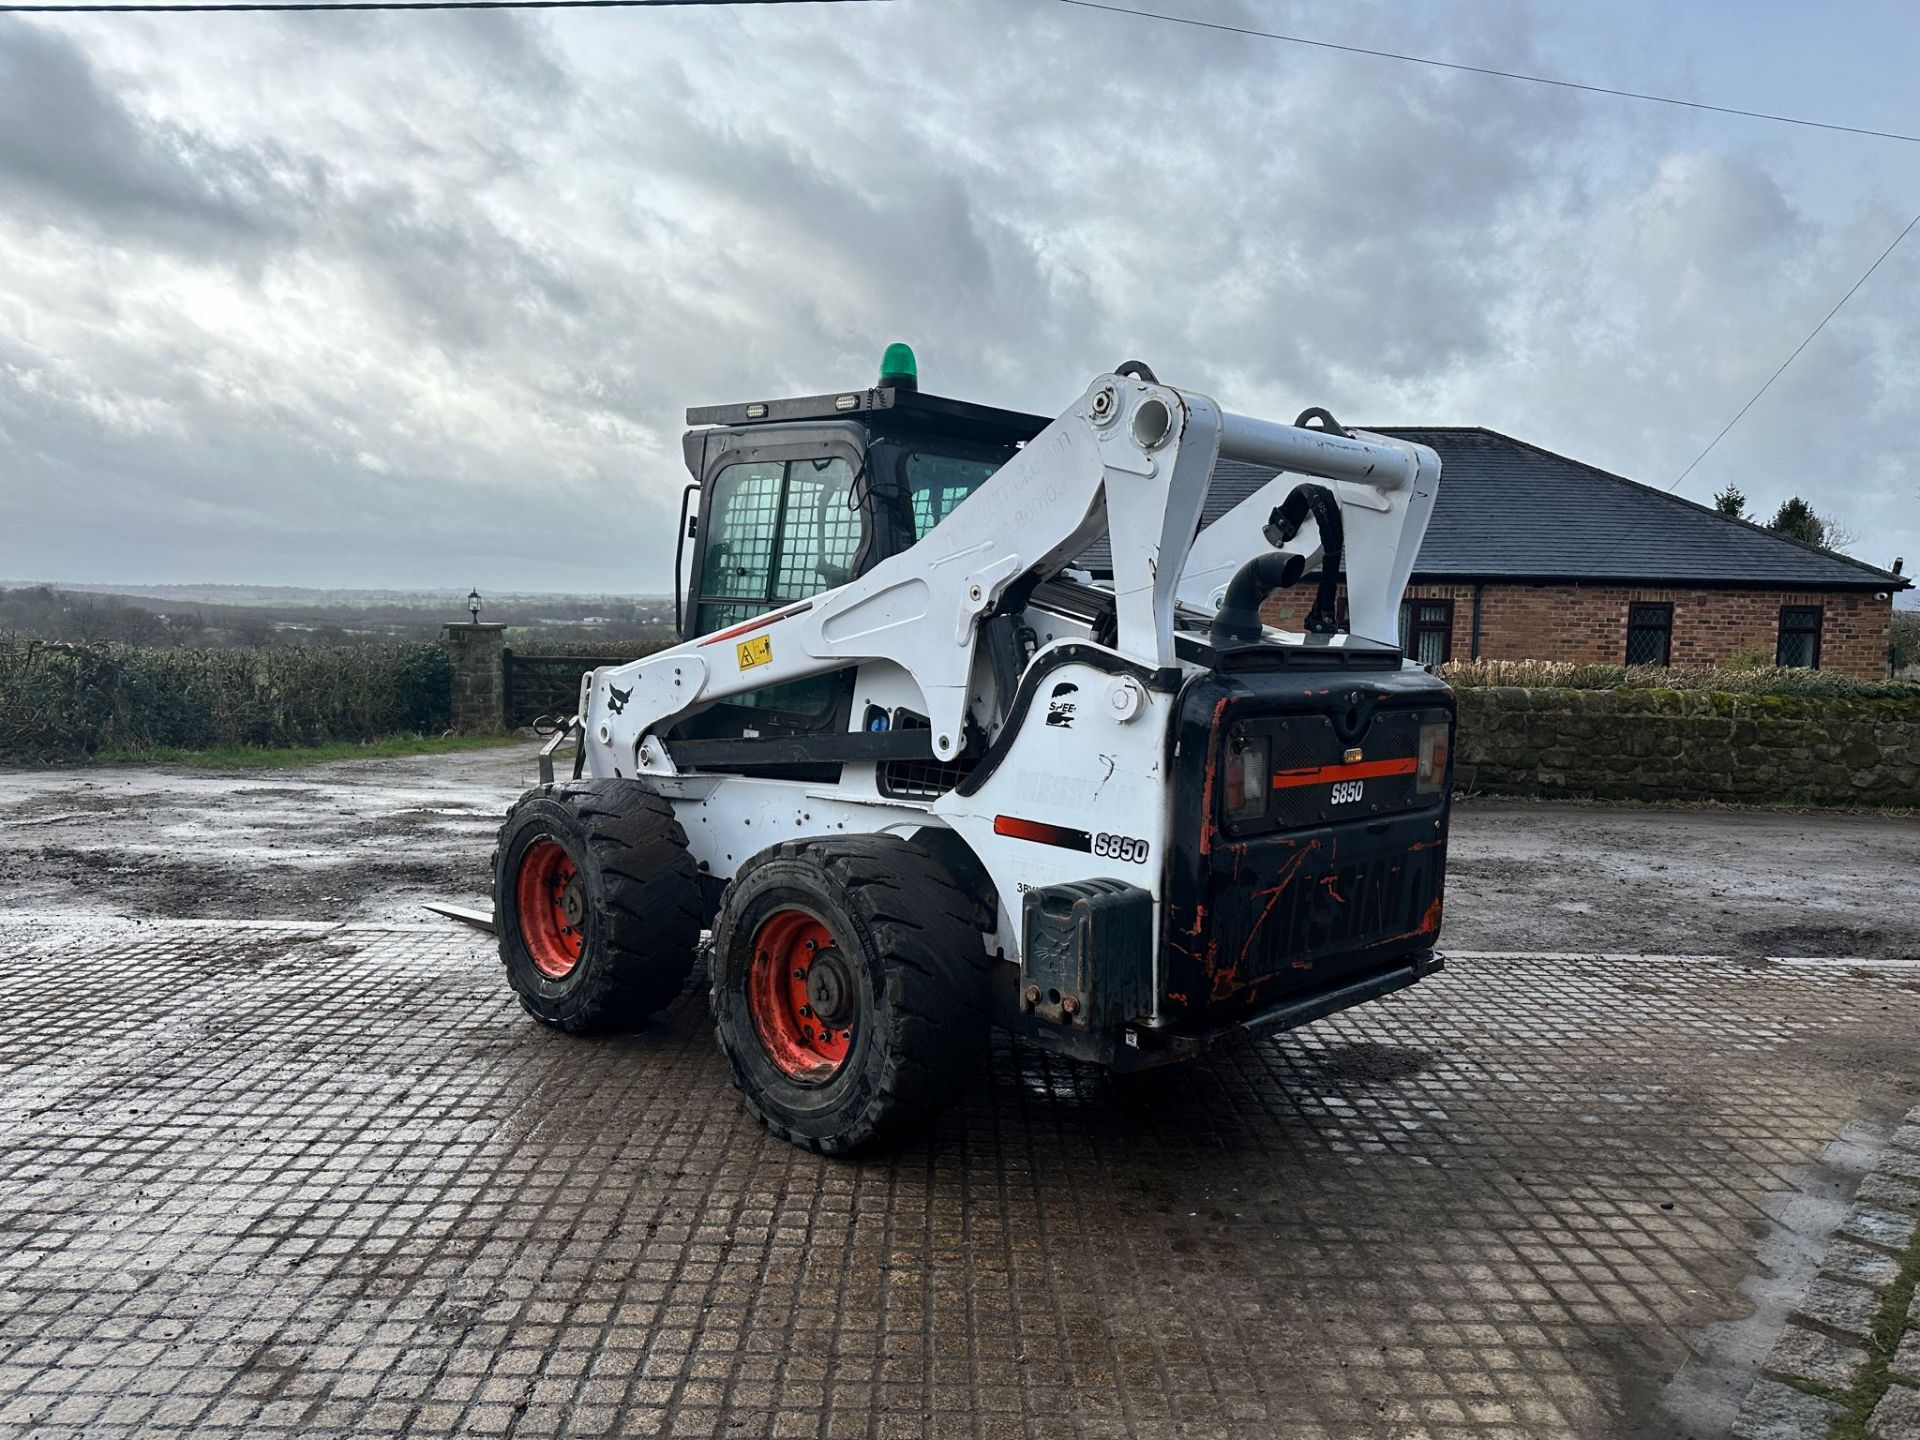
(806, 1010)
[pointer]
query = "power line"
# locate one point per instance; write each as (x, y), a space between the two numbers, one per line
(1796, 352)
(392, 5)
(1487, 70)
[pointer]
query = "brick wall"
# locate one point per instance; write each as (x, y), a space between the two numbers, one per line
(1588, 623)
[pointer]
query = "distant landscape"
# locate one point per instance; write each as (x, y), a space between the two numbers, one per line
(254, 617)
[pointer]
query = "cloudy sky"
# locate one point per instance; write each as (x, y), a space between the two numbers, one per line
(419, 299)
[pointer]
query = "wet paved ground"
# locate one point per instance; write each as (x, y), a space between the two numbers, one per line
(331, 1181)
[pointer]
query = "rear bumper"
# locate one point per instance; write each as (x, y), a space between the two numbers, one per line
(1144, 1047)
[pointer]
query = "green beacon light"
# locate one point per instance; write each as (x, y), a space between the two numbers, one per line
(898, 368)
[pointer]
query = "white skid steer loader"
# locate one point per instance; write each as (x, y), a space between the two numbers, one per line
(923, 763)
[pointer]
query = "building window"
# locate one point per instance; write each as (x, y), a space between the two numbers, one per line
(1426, 631)
(1649, 634)
(1799, 637)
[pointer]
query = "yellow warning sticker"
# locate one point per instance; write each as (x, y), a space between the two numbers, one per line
(757, 651)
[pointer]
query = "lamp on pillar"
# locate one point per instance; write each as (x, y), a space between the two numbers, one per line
(473, 604)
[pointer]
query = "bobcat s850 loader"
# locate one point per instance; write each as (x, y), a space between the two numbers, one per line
(925, 762)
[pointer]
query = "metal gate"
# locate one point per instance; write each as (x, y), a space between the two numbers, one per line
(539, 685)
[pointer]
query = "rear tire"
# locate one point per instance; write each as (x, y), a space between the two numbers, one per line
(870, 935)
(597, 903)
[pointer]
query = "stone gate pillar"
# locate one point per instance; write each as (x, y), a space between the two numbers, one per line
(479, 655)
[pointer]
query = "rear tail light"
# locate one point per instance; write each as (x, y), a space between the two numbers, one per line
(1249, 775)
(1435, 740)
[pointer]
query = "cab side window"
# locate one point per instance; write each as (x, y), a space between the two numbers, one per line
(937, 483)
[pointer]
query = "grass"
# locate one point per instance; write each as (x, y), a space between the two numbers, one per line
(261, 757)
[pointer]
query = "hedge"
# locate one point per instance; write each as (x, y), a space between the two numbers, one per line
(1664, 744)
(1759, 680)
(70, 702)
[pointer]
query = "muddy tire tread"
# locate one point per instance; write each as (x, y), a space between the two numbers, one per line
(916, 916)
(650, 910)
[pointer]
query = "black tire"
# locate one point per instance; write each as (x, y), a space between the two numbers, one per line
(638, 903)
(919, 976)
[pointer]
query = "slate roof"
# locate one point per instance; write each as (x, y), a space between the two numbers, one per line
(1512, 511)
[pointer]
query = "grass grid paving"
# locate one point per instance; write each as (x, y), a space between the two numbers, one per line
(299, 1183)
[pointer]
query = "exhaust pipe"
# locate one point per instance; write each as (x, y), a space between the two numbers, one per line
(1237, 621)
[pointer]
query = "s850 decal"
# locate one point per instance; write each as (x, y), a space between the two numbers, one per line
(1106, 846)
(1346, 792)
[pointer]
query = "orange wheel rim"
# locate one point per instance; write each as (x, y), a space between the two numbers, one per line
(551, 900)
(802, 996)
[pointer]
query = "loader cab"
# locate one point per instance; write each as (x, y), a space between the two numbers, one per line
(792, 497)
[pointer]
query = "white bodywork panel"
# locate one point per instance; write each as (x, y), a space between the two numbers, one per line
(1130, 458)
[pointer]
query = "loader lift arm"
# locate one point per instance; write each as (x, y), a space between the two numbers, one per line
(1131, 458)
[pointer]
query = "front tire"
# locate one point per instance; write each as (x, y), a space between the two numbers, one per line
(850, 990)
(596, 902)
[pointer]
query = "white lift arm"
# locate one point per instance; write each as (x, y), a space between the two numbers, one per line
(1130, 458)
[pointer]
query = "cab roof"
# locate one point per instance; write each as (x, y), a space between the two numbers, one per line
(897, 403)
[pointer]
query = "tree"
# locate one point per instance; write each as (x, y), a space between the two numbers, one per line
(135, 625)
(252, 632)
(1906, 638)
(1731, 501)
(1797, 520)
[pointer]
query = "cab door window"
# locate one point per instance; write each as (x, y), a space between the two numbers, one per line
(820, 531)
(775, 532)
(778, 531)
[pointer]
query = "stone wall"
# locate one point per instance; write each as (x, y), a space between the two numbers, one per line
(1587, 624)
(1688, 745)
(479, 655)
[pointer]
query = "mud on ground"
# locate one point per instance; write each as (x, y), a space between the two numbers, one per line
(371, 840)
(364, 840)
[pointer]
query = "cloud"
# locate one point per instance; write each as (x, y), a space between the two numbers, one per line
(74, 156)
(387, 300)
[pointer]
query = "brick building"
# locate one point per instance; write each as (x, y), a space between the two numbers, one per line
(1532, 556)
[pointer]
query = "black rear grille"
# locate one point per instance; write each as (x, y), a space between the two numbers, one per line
(1346, 908)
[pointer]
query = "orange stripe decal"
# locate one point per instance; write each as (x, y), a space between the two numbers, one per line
(1326, 774)
(1041, 832)
(758, 623)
